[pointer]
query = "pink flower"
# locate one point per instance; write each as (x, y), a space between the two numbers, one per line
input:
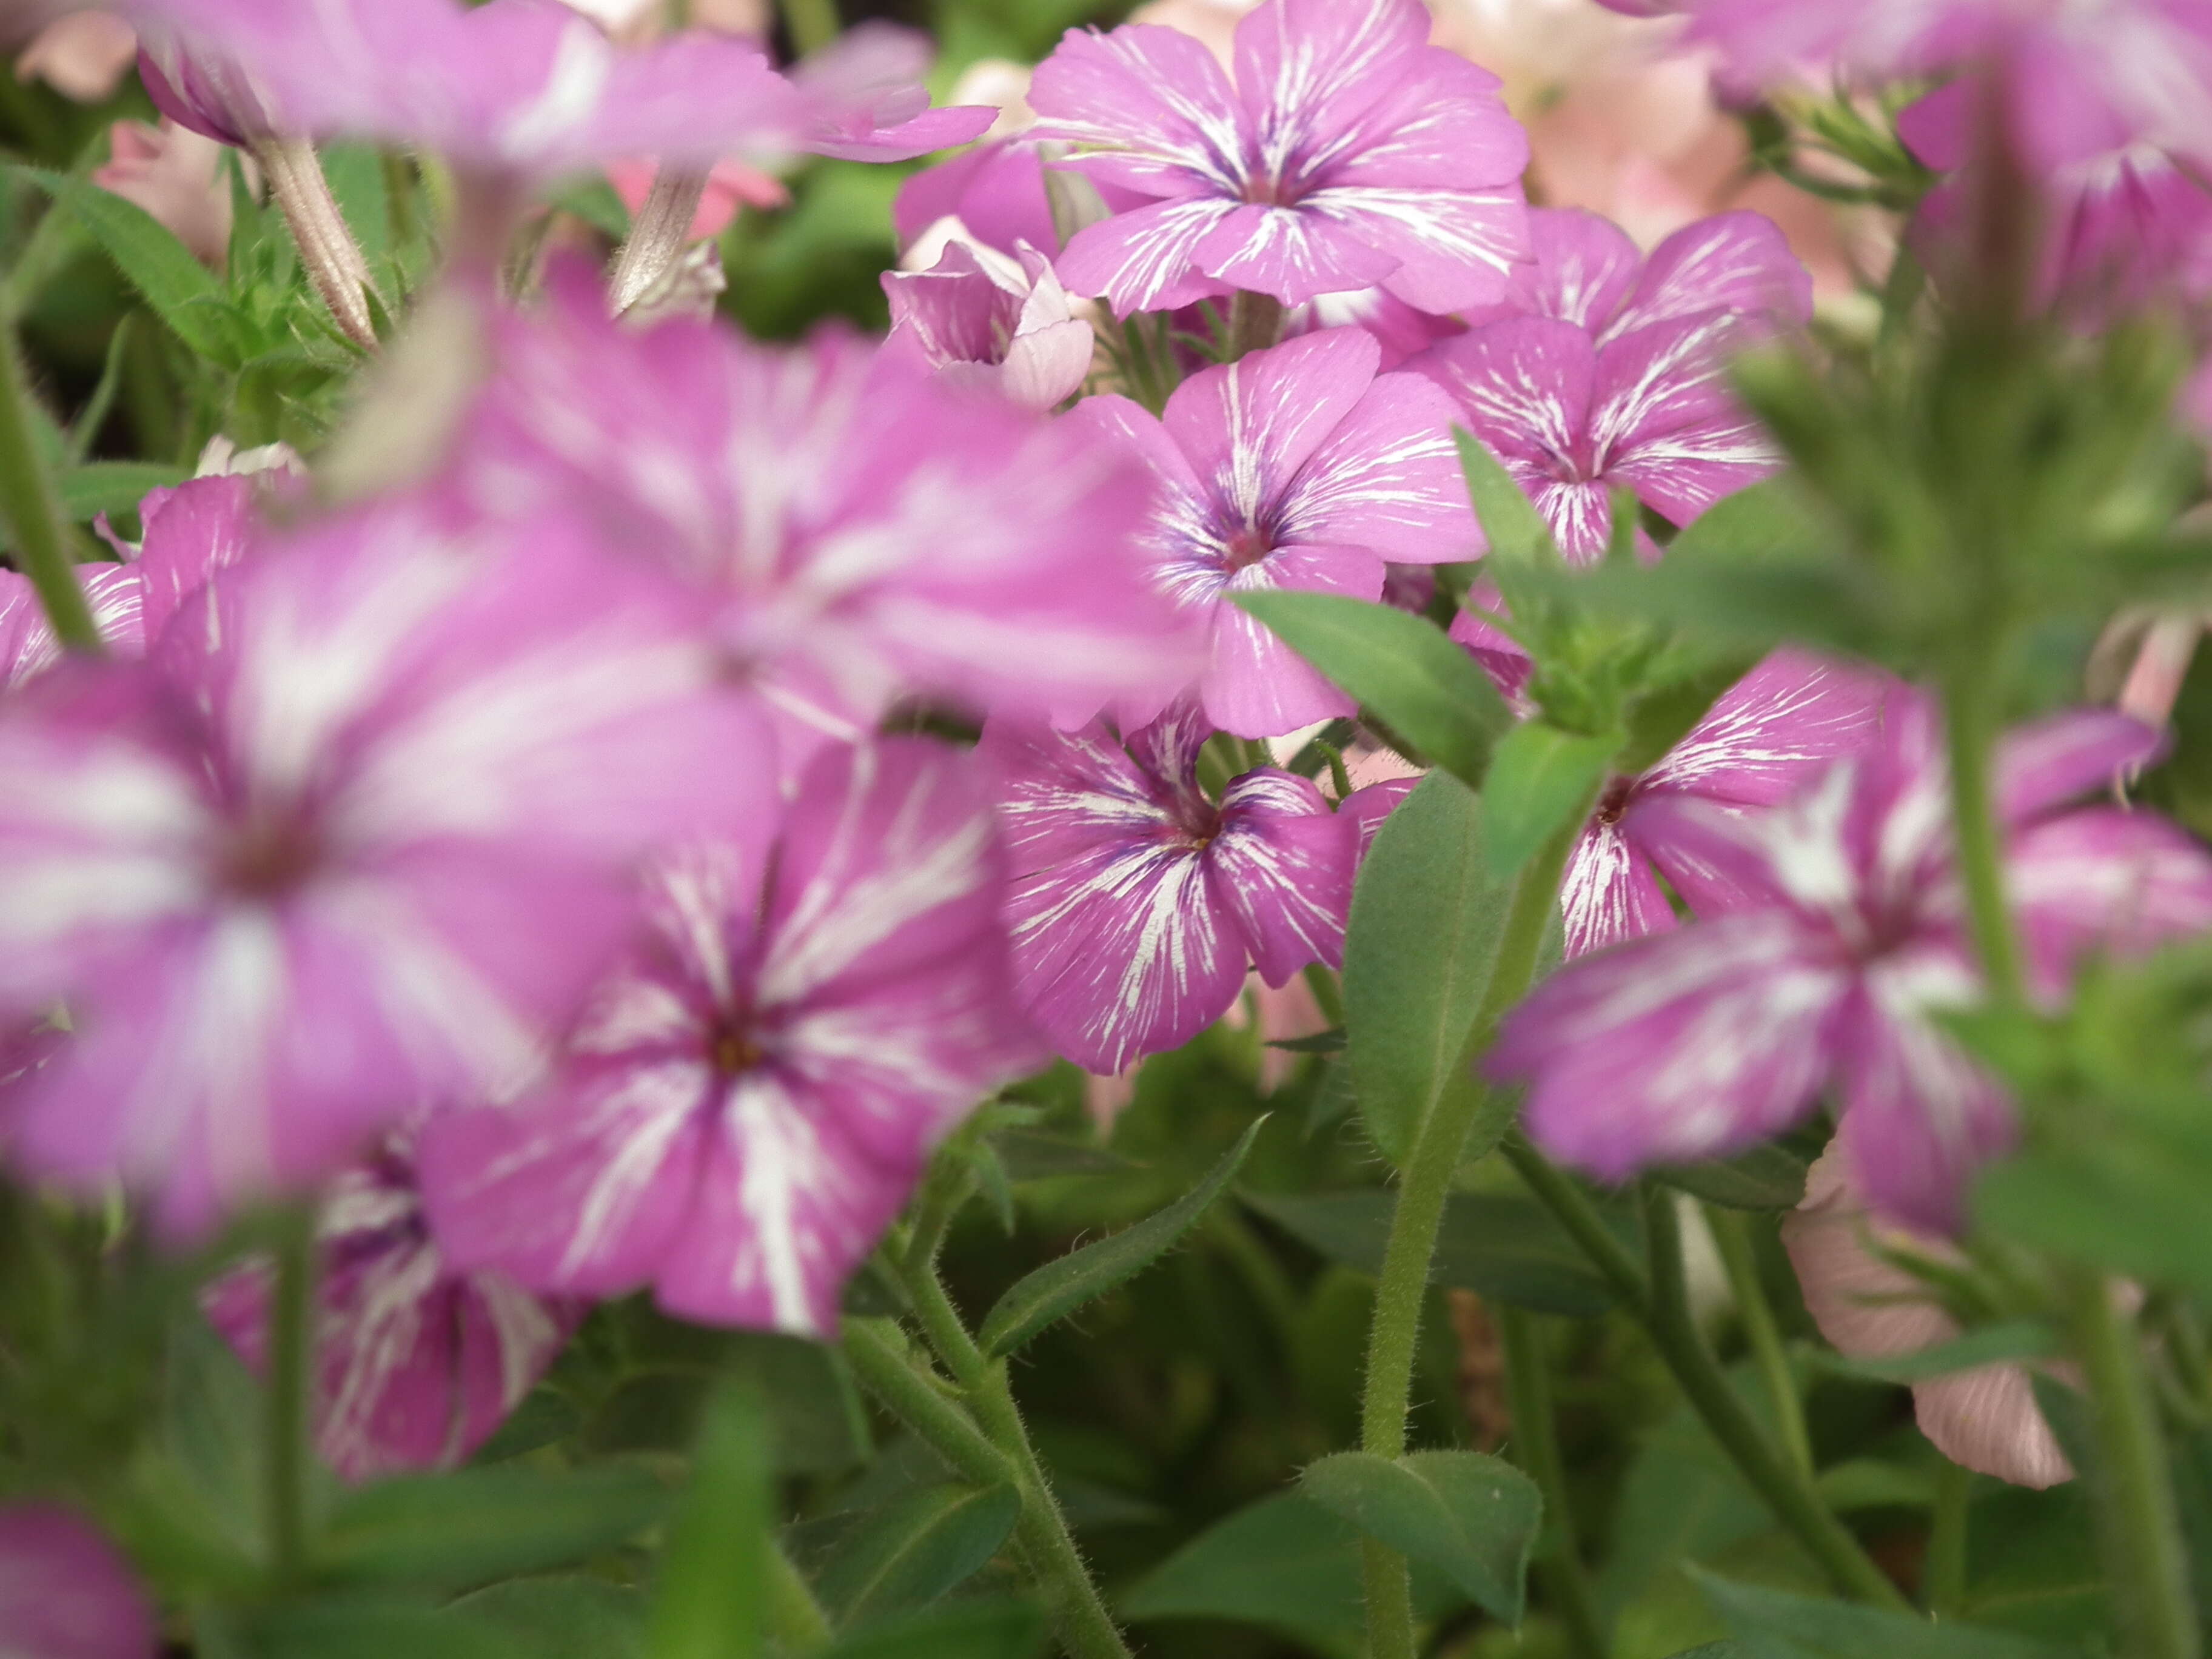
(83, 55)
(524, 89)
(1602, 369)
(1297, 467)
(1844, 931)
(1347, 153)
(995, 192)
(1985, 1418)
(176, 174)
(64, 1591)
(855, 530)
(984, 320)
(747, 1103)
(1138, 904)
(27, 645)
(731, 187)
(343, 846)
(416, 1363)
(1775, 730)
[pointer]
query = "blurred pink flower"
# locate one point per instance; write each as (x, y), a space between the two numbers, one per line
(416, 1363)
(1346, 154)
(1985, 1418)
(83, 55)
(1137, 904)
(730, 186)
(1282, 1013)
(747, 1103)
(176, 174)
(66, 1592)
(855, 530)
(346, 846)
(982, 319)
(1296, 467)
(1844, 932)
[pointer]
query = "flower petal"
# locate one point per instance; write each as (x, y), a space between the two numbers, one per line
(1152, 104)
(1248, 426)
(1609, 895)
(2065, 757)
(1736, 261)
(1662, 422)
(1256, 686)
(2106, 882)
(1282, 864)
(1387, 478)
(1773, 731)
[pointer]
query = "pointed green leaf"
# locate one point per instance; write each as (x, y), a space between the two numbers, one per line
(1541, 779)
(1426, 915)
(970, 1630)
(1516, 531)
(1773, 1623)
(1664, 715)
(176, 285)
(916, 1547)
(562, 1616)
(1407, 672)
(1769, 1176)
(711, 1600)
(2011, 1339)
(101, 487)
(1059, 1288)
(1470, 1516)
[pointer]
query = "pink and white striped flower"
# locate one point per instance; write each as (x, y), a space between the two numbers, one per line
(1296, 467)
(980, 318)
(1845, 932)
(1138, 904)
(855, 531)
(416, 1363)
(66, 1592)
(346, 845)
(747, 1103)
(1346, 153)
(1602, 369)
(1774, 730)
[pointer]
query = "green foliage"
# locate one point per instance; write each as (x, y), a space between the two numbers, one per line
(912, 1550)
(710, 1598)
(1474, 1518)
(1774, 1624)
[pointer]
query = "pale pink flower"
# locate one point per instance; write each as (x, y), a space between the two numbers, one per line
(66, 1592)
(176, 175)
(83, 55)
(980, 319)
(731, 186)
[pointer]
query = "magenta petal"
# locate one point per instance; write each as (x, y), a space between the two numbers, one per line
(2105, 882)
(1367, 808)
(1257, 686)
(1248, 426)
(1295, 253)
(1582, 268)
(996, 190)
(1387, 478)
(1150, 99)
(66, 1592)
(1773, 731)
(1609, 895)
(205, 527)
(1282, 863)
(2065, 757)
(1662, 418)
(1687, 1045)
(1320, 63)
(1736, 261)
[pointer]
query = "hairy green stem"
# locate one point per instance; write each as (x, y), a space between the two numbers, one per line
(880, 1357)
(32, 510)
(2137, 1522)
(794, 1617)
(1536, 1449)
(1732, 1238)
(1970, 727)
(1424, 1185)
(332, 260)
(1943, 1572)
(286, 1416)
(1673, 1329)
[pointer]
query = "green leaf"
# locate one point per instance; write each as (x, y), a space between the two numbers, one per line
(1284, 1562)
(1330, 1042)
(1473, 1517)
(176, 285)
(711, 1598)
(1059, 1288)
(567, 1616)
(1409, 672)
(348, 1627)
(1663, 717)
(1770, 1176)
(476, 1525)
(1426, 917)
(972, 1629)
(1516, 531)
(1501, 1246)
(1767, 521)
(2132, 1203)
(357, 178)
(1541, 779)
(101, 487)
(1774, 1624)
(2012, 1340)
(916, 1547)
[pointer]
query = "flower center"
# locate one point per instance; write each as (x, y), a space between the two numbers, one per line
(1269, 192)
(1614, 801)
(1245, 547)
(734, 1052)
(269, 857)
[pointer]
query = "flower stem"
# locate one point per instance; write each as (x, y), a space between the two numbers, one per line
(2138, 1524)
(1943, 1577)
(1673, 1329)
(794, 1616)
(657, 236)
(1732, 1238)
(286, 1417)
(31, 509)
(1255, 322)
(880, 1358)
(1969, 728)
(1426, 1180)
(813, 23)
(1536, 1449)
(334, 259)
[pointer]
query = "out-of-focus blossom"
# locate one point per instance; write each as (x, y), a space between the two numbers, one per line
(176, 175)
(995, 192)
(1138, 904)
(1985, 1419)
(415, 1362)
(856, 530)
(347, 845)
(83, 55)
(1603, 369)
(1281, 1013)
(1295, 467)
(27, 645)
(65, 1593)
(1844, 931)
(984, 320)
(1346, 154)
(731, 186)
(529, 89)
(747, 1103)
(1769, 735)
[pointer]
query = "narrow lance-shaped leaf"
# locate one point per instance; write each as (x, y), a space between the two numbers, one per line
(1059, 1288)
(176, 285)
(712, 1597)
(1509, 520)
(907, 1554)
(966, 1630)
(2011, 1340)
(1775, 1624)
(1541, 779)
(1472, 1517)
(1426, 913)
(1407, 672)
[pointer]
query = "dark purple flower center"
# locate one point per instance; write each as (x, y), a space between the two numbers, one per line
(1614, 801)
(269, 857)
(735, 1051)
(1244, 547)
(1260, 191)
